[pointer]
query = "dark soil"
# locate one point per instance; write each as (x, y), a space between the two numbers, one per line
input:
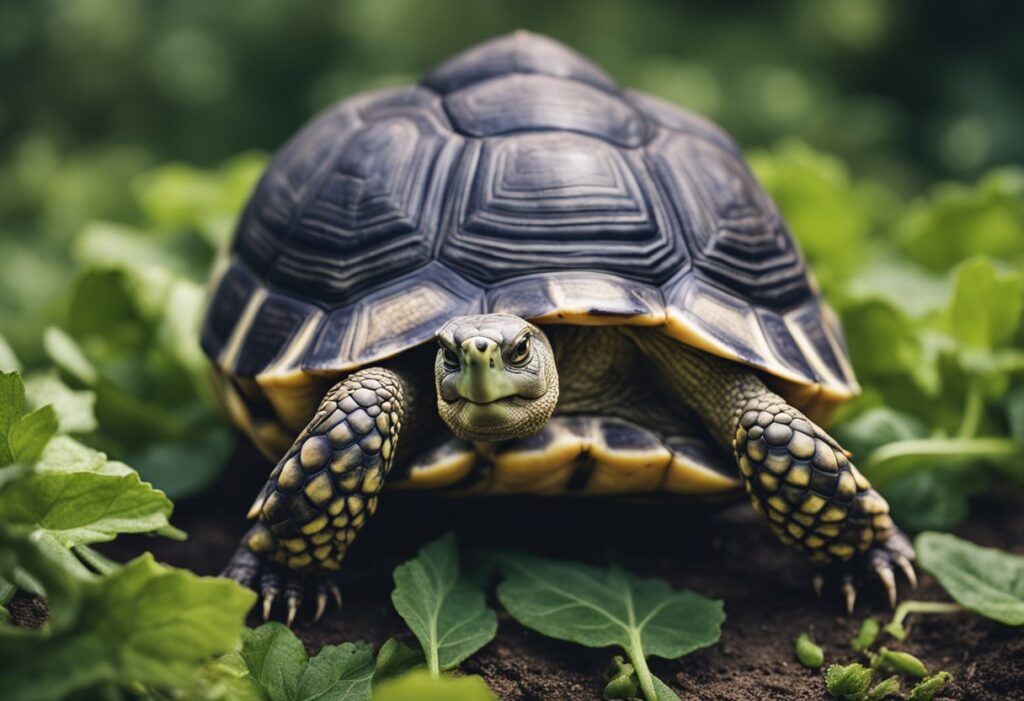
(724, 553)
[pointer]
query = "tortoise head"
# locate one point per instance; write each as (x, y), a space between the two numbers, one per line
(495, 376)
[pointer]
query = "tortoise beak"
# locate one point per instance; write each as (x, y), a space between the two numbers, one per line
(483, 378)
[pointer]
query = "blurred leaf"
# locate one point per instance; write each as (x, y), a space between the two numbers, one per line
(985, 580)
(8, 359)
(986, 307)
(421, 686)
(934, 497)
(959, 221)
(75, 408)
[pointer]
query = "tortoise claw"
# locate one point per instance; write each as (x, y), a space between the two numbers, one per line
(268, 603)
(907, 567)
(884, 572)
(849, 594)
(321, 605)
(818, 582)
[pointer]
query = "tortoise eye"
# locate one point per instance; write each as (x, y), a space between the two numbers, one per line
(448, 357)
(521, 353)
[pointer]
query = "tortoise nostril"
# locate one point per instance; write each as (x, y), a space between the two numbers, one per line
(481, 344)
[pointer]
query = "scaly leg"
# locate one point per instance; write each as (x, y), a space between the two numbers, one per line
(797, 476)
(321, 492)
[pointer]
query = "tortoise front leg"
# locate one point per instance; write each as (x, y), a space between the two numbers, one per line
(321, 492)
(797, 476)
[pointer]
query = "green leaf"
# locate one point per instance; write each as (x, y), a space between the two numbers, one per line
(277, 662)
(443, 608)
(29, 436)
(12, 406)
(142, 624)
(986, 307)
(75, 408)
(623, 683)
(395, 659)
(84, 507)
(848, 682)
(601, 608)
(985, 580)
(65, 352)
(421, 686)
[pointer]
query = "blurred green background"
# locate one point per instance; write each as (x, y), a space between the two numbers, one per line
(131, 133)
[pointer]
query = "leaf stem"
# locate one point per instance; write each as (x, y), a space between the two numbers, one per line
(643, 672)
(972, 411)
(895, 626)
(887, 456)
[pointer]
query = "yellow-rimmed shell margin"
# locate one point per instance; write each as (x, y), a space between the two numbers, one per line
(803, 357)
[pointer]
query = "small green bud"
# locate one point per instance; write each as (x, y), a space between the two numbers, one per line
(902, 662)
(809, 654)
(888, 687)
(623, 684)
(929, 686)
(848, 681)
(866, 636)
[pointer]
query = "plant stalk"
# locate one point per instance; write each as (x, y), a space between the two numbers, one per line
(908, 607)
(973, 408)
(643, 672)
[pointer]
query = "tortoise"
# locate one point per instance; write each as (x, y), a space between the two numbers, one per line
(515, 277)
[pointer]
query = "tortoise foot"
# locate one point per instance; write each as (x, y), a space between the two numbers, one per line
(881, 562)
(274, 583)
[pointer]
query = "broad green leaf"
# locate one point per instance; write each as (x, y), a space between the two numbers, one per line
(985, 580)
(75, 408)
(28, 437)
(65, 454)
(142, 624)
(443, 608)
(395, 659)
(84, 507)
(280, 668)
(986, 308)
(419, 685)
(601, 608)
(958, 221)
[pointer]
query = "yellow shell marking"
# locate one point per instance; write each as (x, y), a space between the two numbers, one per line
(685, 476)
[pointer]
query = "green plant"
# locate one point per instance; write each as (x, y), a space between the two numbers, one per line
(808, 652)
(603, 608)
(443, 608)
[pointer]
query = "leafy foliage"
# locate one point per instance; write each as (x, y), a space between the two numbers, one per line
(937, 354)
(602, 608)
(985, 580)
(442, 607)
(141, 624)
(276, 664)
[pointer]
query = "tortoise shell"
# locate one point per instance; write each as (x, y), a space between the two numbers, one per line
(516, 177)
